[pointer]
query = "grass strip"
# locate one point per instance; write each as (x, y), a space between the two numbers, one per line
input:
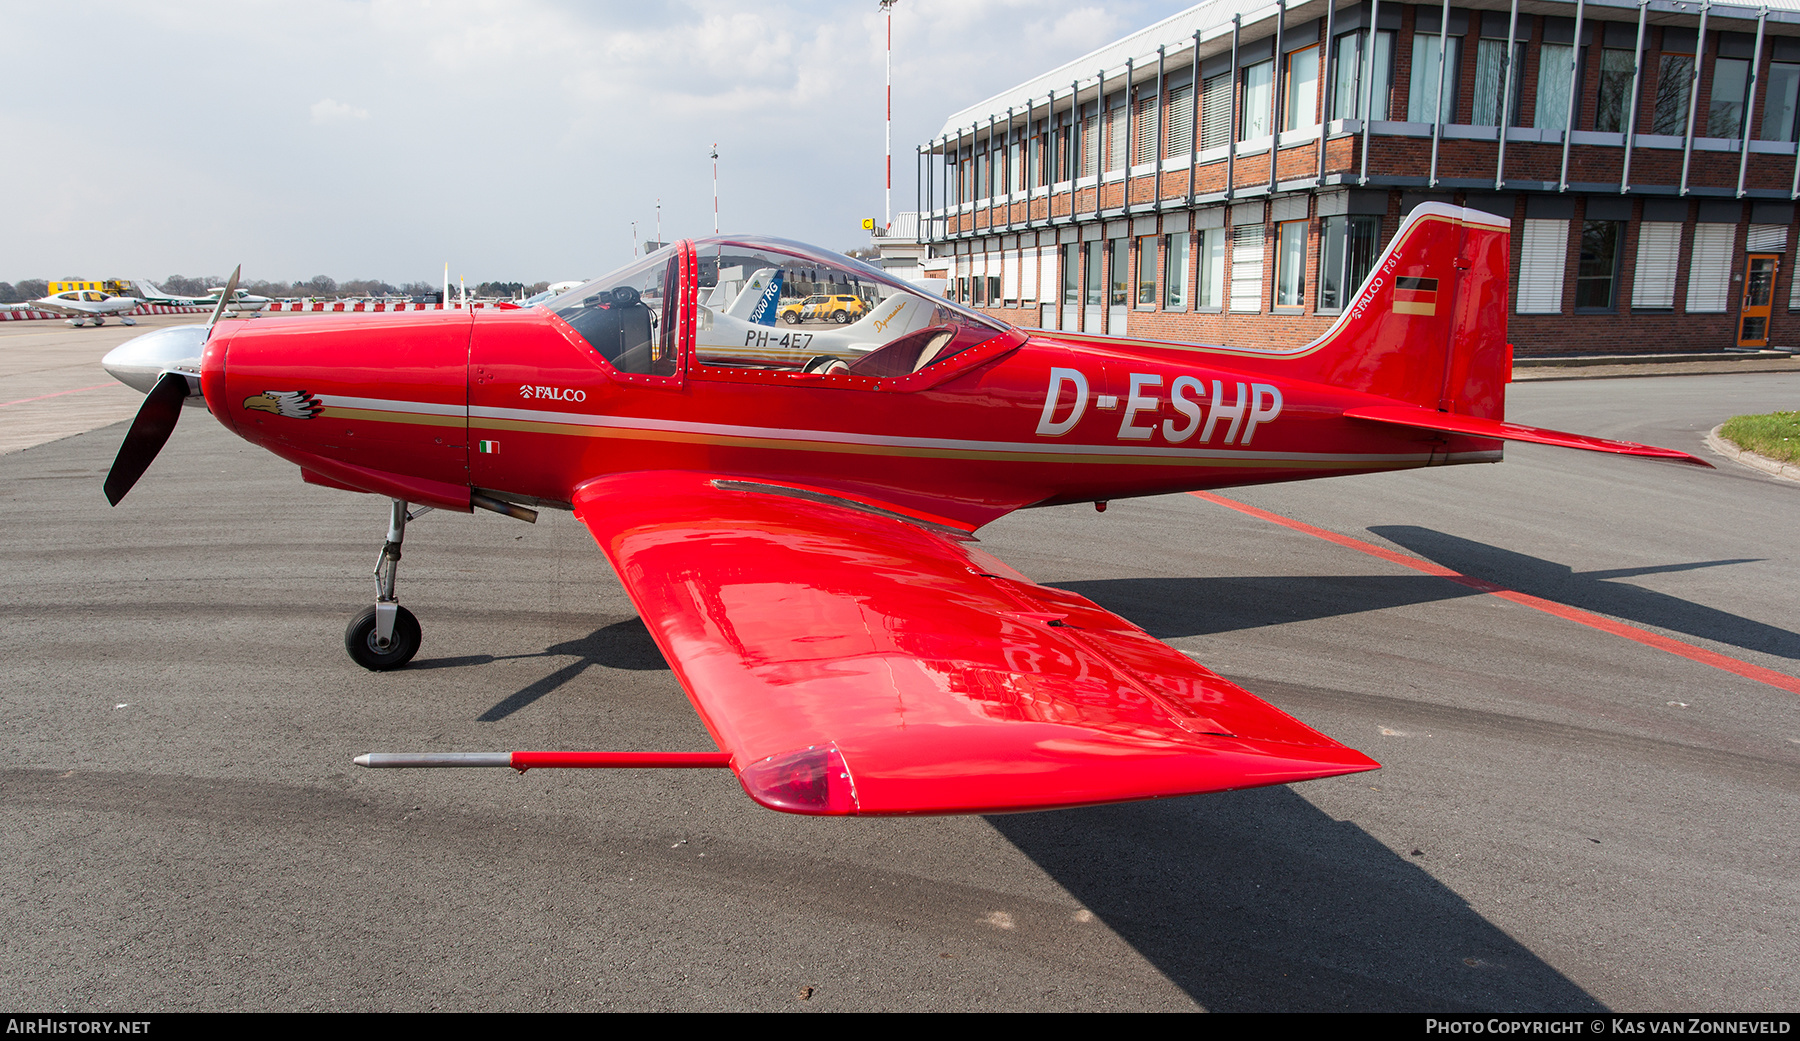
(1775, 435)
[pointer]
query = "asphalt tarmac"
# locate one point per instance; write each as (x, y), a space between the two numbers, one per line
(1568, 818)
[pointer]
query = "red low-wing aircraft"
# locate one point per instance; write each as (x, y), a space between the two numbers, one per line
(792, 506)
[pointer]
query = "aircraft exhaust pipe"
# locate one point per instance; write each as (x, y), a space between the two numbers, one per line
(507, 508)
(523, 761)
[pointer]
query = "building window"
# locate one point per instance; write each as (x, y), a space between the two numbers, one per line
(1143, 131)
(1553, 86)
(1490, 82)
(1175, 271)
(1209, 254)
(1781, 102)
(1302, 88)
(1118, 127)
(1350, 87)
(1090, 146)
(1709, 269)
(1096, 276)
(1146, 273)
(1215, 112)
(1674, 85)
(1658, 259)
(1543, 261)
(1015, 172)
(1118, 255)
(1181, 121)
(1346, 255)
(1422, 98)
(1290, 264)
(1731, 82)
(1615, 90)
(1247, 268)
(1259, 95)
(1071, 275)
(1598, 268)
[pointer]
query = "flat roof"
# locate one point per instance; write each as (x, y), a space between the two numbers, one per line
(1212, 22)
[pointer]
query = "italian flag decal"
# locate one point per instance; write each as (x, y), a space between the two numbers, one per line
(488, 447)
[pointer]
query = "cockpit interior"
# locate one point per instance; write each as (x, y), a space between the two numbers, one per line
(768, 305)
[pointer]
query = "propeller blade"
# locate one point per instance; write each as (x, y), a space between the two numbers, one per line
(149, 432)
(219, 309)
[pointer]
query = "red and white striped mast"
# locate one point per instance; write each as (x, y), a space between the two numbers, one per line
(887, 7)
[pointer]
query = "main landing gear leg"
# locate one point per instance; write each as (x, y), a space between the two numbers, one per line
(386, 636)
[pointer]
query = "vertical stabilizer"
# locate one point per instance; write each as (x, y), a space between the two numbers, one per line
(1428, 326)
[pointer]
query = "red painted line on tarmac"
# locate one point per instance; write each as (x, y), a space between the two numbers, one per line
(1550, 607)
(60, 393)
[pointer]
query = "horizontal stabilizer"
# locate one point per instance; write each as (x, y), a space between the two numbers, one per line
(1451, 423)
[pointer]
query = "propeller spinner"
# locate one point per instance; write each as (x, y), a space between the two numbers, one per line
(165, 364)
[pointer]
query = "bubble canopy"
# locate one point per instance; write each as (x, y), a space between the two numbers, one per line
(768, 304)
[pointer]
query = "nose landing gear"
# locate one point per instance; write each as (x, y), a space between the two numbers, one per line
(386, 636)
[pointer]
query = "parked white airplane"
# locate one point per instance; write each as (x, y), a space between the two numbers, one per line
(82, 306)
(738, 322)
(240, 300)
(155, 294)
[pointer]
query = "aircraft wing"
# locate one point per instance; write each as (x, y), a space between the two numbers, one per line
(59, 308)
(853, 659)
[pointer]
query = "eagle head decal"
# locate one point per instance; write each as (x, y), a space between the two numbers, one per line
(294, 404)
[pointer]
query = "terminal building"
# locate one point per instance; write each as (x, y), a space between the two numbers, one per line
(1232, 172)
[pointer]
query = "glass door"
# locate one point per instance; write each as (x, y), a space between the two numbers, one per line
(1759, 294)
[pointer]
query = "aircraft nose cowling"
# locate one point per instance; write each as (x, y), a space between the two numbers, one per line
(374, 402)
(140, 361)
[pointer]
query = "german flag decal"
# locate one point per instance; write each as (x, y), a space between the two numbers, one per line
(1415, 295)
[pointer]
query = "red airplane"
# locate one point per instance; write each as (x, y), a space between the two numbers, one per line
(792, 506)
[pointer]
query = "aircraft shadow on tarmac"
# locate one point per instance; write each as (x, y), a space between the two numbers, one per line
(621, 645)
(1175, 607)
(1247, 900)
(1258, 901)
(1592, 590)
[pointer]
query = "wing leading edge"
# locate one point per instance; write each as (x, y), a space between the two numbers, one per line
(852, 660)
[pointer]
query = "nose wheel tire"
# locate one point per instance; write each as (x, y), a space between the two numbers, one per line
(360, 641)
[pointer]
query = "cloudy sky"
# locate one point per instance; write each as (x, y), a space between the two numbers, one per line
(516, 140)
